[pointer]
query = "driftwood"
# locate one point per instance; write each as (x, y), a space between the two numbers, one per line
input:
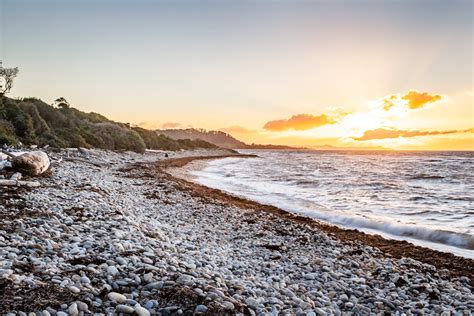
(32, 163)
(17, 183)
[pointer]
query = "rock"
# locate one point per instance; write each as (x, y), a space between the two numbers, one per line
(31, 163)
(200, 309)
(124, 309)
(185, 280)
(112, 270)
(82, 306)
(251, 302)
(74, 289)
(141, 311)
(83, 152)
(320, 311)
(85, 280)
(148, 277)
(117, 297)
(155, 285)
(73, 310)
(228, 305)
(151, 304)
(16, 176)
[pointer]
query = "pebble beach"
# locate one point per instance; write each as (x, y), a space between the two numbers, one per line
(111, 233)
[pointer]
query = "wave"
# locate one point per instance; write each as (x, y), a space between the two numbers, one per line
(282, 184)
(315, 211)
(446, 237)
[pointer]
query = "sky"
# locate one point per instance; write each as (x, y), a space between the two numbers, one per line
(303, 73)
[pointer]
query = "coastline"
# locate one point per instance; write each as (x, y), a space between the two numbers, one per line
(452, 265)
(117, 233)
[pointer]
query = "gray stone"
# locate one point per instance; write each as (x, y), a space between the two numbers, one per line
(200, 309)
(124, 309)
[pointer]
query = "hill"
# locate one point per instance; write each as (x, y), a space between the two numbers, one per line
(31, 121)
(217, 138)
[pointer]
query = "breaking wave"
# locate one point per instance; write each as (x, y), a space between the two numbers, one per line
(371, 193)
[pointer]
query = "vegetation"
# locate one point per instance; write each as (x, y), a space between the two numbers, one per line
(218, 138)
(30, 121)
(7, 75)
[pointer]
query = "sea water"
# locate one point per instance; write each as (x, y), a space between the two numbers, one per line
(424, 197)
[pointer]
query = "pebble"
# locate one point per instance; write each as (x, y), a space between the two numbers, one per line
(126, 232)
(124, 309)
(185, 280)
(112, 270)
(200, 309)
(141, 311)
(117, 297)
(74, 289)
(73, 310)
(253, 303)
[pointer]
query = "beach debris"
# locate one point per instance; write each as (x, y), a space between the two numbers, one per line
(18, 183)
(16, 176)
(31, 163)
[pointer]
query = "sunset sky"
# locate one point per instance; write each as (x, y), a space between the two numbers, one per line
(396, 74)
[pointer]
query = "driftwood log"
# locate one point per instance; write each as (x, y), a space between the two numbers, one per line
(31, 163)
(17, 183)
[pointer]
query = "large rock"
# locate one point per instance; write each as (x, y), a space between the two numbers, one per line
(31, 163)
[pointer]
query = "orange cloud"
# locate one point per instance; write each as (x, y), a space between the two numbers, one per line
(412, 99)
(299, 122)
(382, 133)
(419, 99)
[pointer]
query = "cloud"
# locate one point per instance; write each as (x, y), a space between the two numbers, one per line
(237, 130)
(412, 99)
(383, 133)
(299, 122)
(419, 99)
(148, 125)
(170, 125)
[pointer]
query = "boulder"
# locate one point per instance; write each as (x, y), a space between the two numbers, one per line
(32, 163)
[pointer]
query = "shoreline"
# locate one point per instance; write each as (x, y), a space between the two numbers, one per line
(117, 234)
(456, 266)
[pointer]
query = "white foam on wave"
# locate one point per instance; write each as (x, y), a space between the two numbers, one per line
(280, 195)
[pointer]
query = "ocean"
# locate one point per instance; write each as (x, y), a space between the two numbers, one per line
(424, 197)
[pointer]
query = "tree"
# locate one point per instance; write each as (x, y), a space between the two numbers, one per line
(7, 74)
(62, 103)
